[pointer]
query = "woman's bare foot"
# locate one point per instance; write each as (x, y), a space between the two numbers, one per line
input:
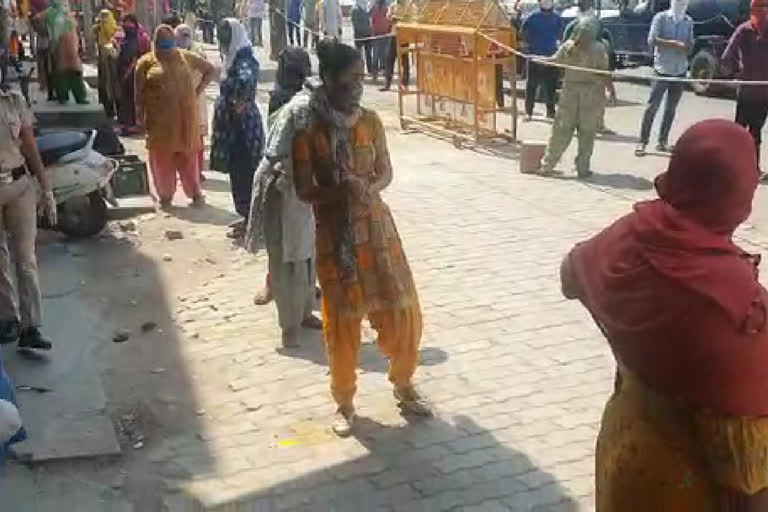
(264, 297)
(237, 229)
(291, 338)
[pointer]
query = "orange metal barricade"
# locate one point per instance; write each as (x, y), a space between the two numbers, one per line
(459, 70)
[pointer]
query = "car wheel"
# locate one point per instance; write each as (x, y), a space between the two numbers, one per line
(83, 216)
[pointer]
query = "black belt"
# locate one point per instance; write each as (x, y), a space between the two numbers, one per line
(19, 172)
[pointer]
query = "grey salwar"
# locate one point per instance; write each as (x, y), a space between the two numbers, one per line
(582, 100)
(293, 282)
(282, 223)
(18, 231)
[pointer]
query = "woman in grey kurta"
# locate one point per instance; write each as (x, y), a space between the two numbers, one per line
(284, 225)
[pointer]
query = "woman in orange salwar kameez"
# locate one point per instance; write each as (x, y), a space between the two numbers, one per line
(341, 164)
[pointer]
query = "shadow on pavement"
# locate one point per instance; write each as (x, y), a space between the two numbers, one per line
(620, 181)
(620, 102)
(371, 359)
(610, 180)
(208, 214)
(617, 137)
(215, 184)
(424, 465)
(149, 387)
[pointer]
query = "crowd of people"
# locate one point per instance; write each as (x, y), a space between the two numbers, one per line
(583, 98)
(679, 303)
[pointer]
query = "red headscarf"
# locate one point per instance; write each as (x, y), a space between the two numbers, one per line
(678, 300)
(759, 15)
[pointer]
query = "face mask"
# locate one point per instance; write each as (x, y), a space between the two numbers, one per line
(165, 44)
(348, 96)
(185, 43)
(678, 8)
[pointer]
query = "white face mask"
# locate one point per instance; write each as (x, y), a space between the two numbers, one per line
(678, 8)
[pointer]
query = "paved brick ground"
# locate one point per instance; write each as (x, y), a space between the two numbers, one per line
(518, 376)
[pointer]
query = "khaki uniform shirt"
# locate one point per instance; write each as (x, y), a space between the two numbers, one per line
(592, 55)
(14, 114)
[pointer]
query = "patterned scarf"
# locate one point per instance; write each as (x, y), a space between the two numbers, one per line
(340, 125)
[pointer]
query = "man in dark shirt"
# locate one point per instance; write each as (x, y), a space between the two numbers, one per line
(747, 55)
(542, 30)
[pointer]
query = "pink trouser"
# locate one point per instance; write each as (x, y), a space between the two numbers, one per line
(201, 157)
(165, 165)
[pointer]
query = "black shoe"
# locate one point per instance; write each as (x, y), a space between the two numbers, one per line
(663, 147)
(9, 331)
(640, 150)
(32, 338)
(385, 88)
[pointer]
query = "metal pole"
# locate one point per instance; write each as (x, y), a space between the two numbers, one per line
(88, 29)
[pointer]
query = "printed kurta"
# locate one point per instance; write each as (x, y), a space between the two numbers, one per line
(653, 454)
(170, 103)
(380, 286)
(383, 279)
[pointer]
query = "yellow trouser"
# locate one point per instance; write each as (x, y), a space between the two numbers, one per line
(399, 338)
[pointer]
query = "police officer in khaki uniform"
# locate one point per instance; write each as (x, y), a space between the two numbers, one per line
(21, 197)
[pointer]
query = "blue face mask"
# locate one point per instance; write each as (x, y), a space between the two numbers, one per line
(165, 44)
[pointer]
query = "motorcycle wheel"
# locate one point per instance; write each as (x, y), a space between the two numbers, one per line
(83, 216)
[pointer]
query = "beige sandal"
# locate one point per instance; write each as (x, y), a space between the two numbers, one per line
(411, 402)
(344, 421)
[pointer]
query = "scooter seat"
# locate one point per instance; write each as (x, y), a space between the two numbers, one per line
(55, 145)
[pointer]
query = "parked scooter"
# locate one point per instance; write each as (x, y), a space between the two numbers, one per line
(80, 177)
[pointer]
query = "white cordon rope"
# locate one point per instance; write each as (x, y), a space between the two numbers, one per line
(612, 74)
(539, 60)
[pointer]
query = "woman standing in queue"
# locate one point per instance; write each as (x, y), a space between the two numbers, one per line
(132, 44)
(106, 29)
(238, 132)
(341, 164)
(682, 309)
(166, 104)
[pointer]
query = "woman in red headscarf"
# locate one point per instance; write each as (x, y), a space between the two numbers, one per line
(680, 304)
(747, 56)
